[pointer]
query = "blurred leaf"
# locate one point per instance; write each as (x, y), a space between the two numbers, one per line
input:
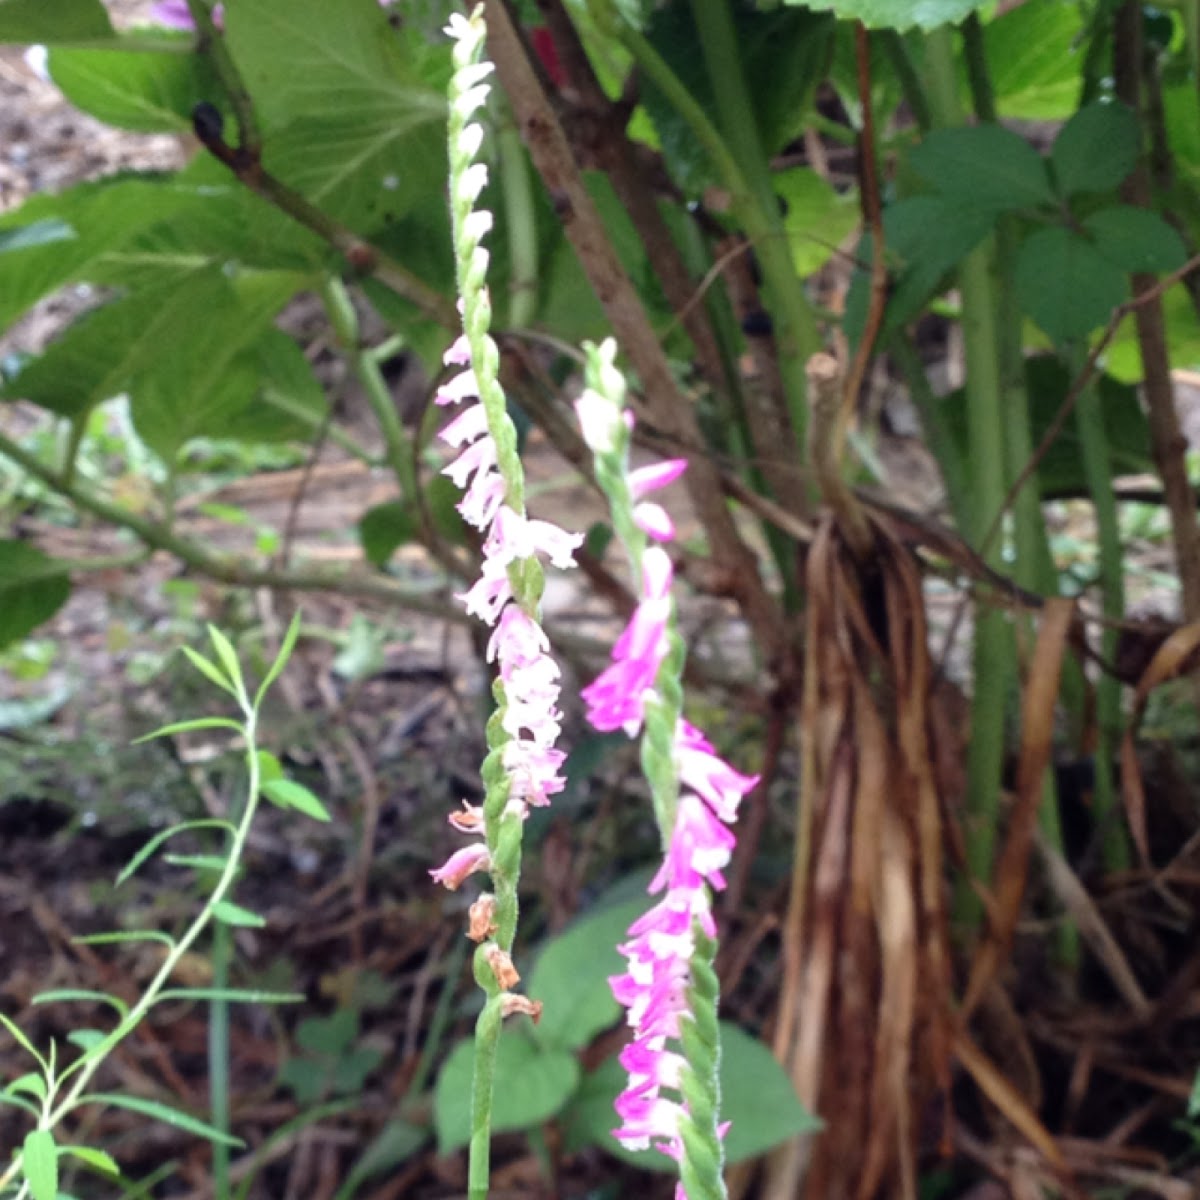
(31, 1084)
(817, 219)
(756, 1095)
(382, 530)
(1136, 239)
(234, 914)
(395, 1143)
(38, 233)
(1065, 284)
(189, 727)
(986, 167)
(534, 1085)
(286, 793)
(157, 840)
(82, 996)
(572, 972)
(140, 89)
(1123, 358)
(1096, 149)
(39, 1157)
(98, 1160)
(57, 22)
(209, 670)
(1034, 60)
(896, 14)
(33, 587)
(362, 653)
(164, 1113)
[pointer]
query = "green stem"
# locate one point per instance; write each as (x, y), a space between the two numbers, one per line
(994, 657)
(1097, 469)
(398, 447)
(218, 1058)
(755, 205)
(520, 219)
(896, 48)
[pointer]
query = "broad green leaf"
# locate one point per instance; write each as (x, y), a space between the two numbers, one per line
(1065, 285)
(234, 914)
(817, 217)
(288, 403)
(159, 838)
(98, 1160)
(382, 530)
(33, 587)
(896, 14)
(101, 216)
(756, 1096)
(281, 659)
(143, 90)
(532, 1086)
(354, 110)
(269, 767)
(190, 727)
(1034, 55)
(571, 976)
(1095, 150)
(39, 233)
(1183, 130)
(1136, 239)
(56, 22)
(84, 996)
(39, 1160)
(987, 166)
(286, 793)
(164, 1113)
(31, 1084)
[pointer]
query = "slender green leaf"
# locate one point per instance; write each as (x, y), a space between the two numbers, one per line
(157, 840)
(229, 659)
(98, 1160)
(233, 995)
(21, 1040)
(199, 862)
(20, 1102)
(191, 727)
(281, 659)
(161, 1112)
(233, 914)
(33, 587)
(39, 1160)
(115, 937)
(87, 1039)
(209, 670)
(288, 794)
(83, 995)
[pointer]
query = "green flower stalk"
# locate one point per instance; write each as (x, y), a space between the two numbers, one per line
(522, 767)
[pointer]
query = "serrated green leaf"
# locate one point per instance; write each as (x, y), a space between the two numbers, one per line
(286, 793)
(39, 1161)
(191, 727)
(30, 1084)
(98, 1160)
(1065, 285)
(164, 1113)
(209, 670)
(228, 656)
(234, 914)
(571, 976)
(82, 995)
(987, 166)
(281, 659)
(33, 587)
(896, 14)
(139, 89)
(62, 21)
(1135, 239)
(157, 840)
(536, 1085)
(1096, 149)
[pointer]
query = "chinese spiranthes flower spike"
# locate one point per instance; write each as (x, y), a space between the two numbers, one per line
(523, 765)
(669, 989)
